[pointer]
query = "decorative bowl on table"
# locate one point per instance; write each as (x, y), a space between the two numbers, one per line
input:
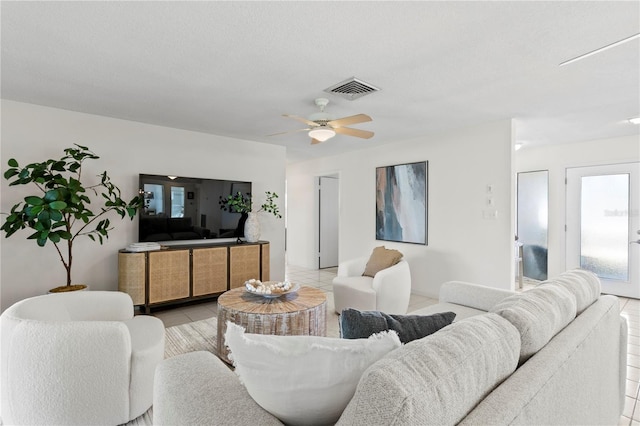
(270, 289)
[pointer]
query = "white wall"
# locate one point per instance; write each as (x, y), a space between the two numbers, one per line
(33, 133)
(462, 245)
(556, 159)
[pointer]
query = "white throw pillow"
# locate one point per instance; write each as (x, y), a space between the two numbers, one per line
(304, 380)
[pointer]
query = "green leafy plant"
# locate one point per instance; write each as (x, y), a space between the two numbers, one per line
(269, 206)
(60, 212)
(241, 203)
(236, 203)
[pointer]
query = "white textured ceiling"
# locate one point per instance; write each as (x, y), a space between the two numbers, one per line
(232, 68)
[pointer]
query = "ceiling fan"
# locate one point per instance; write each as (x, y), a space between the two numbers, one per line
(323, 127)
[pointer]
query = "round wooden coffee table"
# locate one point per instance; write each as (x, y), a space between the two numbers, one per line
(301, 313)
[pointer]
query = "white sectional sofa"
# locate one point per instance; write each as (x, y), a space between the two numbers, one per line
(553, 355)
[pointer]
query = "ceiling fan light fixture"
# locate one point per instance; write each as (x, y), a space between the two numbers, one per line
(322, 133)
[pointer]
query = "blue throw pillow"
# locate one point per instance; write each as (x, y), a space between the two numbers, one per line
(355, 324)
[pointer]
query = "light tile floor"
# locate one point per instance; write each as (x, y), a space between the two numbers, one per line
(322, 278)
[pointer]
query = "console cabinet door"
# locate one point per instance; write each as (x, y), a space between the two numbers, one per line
(168, 275)
(209, 271)
(244, 264)
(132, 274)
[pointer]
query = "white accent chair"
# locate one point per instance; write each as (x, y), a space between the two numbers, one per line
(79, 358)
(388, 291)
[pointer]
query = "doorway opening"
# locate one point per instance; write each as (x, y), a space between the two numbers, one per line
(328, 215)
(533, 223)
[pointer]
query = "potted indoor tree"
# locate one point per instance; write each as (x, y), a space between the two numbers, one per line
(59, 211)
(248, 225)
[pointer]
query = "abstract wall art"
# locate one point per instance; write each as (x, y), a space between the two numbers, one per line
(401, 203)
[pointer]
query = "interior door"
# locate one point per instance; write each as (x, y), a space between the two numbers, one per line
(603, 229)
(533, 222)
(328, 223)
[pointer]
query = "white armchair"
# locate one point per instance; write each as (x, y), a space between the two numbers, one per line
(388, 291)
(77, 358)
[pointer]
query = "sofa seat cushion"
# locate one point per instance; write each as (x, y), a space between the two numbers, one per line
(197, 388)
(303, 380)
(461, 311)
(437, 379)
(538, 314)
(355, 324)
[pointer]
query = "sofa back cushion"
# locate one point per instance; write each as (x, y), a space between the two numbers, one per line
(475, 296)
(584, 285)
(437, 379)
(538, 314)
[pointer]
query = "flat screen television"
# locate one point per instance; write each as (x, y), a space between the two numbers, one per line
(187, 208)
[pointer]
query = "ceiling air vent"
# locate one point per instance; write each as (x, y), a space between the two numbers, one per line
(351, 89)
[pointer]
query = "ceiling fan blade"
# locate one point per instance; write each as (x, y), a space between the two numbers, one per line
(315, 141)
(358, 118)
(290, 131)
(365, 134)
(304, 120)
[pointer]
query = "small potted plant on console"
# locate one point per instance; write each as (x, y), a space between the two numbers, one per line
(248, 225)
